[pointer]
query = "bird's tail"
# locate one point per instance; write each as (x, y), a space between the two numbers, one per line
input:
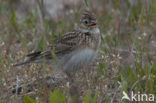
(21, 63)
(33, 57)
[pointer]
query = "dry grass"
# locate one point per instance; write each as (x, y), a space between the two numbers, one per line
(126, 62)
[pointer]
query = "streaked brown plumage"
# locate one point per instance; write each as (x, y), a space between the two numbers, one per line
(75, 49)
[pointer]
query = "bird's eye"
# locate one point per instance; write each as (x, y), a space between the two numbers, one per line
(86, 22)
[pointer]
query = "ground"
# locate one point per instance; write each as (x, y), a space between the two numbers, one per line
(126, 60)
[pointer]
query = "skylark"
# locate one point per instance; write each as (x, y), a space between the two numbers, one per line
(73, 50)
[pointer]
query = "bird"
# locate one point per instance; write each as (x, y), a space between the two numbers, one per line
(73, 50)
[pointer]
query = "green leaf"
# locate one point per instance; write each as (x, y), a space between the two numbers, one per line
(13, 20)
(41, 43)
(116, 3)
(53, 98)
(95, 98)
(57, 96)
(23, 40)
(154, 68)
(60, 95)
(87, 98)
(53, 35)
(86, 2)
(31, 20)
(154, 65)
(29, 100)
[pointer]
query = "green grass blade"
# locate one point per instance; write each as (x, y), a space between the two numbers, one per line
(86, 2)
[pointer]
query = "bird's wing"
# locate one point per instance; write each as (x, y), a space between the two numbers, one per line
(68, 42)
(64, 45)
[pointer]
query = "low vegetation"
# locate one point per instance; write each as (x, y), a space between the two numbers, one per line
(126, 61)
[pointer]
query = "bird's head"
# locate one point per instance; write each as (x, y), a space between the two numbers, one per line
(88, 21)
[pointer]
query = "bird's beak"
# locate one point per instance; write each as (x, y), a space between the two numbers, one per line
(94, 24)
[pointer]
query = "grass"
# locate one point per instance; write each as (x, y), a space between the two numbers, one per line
(126, 62)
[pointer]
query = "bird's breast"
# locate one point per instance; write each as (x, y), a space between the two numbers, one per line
(93, 41)
(80, 59)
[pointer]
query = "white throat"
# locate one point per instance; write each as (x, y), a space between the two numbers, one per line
(92, 31)
(95, 31)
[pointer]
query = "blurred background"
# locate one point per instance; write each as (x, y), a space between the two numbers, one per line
(126, 61)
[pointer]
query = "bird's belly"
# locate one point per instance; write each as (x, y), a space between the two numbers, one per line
(79, 60)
